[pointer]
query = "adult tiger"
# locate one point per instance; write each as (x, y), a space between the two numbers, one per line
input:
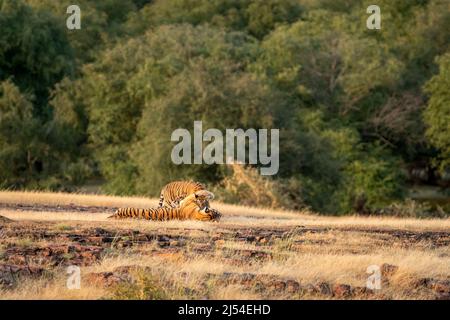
(172, 193)
(194, 206)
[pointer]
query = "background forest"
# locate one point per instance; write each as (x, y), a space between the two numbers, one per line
(363, 114)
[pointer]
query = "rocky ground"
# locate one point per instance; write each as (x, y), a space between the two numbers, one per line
(40, 251)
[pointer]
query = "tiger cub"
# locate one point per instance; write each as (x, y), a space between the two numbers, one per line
(192, 207)
(173, 192)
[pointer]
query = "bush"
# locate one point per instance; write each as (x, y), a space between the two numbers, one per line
(144, 287)
(245, 186)
(21, 151)
(437, 113)
(373, 180)
(413, 209)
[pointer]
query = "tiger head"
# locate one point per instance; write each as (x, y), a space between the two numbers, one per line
(196, 206)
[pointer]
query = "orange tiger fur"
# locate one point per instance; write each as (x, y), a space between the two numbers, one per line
(172, 193)
(192, 207)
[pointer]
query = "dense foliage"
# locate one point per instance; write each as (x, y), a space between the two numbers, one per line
(362, 113)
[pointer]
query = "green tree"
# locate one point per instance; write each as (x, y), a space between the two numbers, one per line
(142, 90)
(258, 18)
(194, 94)
(321, 56)
(34, 51)
(20, 148)
(101, 23)
(35, 55)
(351, 103)
(371, 181)
(437, 113)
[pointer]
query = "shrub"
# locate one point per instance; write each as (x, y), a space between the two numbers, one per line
(244, 185)
(144, 287)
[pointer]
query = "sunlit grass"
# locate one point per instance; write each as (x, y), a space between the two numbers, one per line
(339, 253)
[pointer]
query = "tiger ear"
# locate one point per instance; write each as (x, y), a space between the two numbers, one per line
(204, 194)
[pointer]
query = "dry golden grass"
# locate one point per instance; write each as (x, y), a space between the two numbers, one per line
(60, 198)
(340, 253)
(305, 268)
(233, 215)
(233, 220)
(55, 289)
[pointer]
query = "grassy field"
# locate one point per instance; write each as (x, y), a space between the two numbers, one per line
(251, 253)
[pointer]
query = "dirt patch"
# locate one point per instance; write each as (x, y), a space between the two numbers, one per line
(53, 255)
(53, 208)
(10, 274)
(30, 248)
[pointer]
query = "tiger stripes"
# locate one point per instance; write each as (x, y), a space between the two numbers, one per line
(158, 214)
(172, 193)
(192, 207)
(163, 214)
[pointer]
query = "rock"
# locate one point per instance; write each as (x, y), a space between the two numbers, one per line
(277, 285)
(325, 289)
(201, 248)
(53, 254)
(322, 288)
(106, 279)
(342, 290)
(245, 279)
(292, 286)
(443, 297)
(439, 286)
(17, 259)
(163, 238)
(261, 239)
(4, 219)
(423, 282)
(310, 288)
(254, 254)
(97, 240)
(125, 244)
(9, 273)
(101, 232)
(56, 250)
(141, 238)
(361, 291)
(388, 270)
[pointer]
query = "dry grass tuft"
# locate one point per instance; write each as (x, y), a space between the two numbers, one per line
(301, 246)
